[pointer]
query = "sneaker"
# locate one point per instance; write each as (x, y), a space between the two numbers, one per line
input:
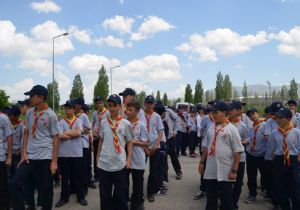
(151, 198)
(161, 192)
(250, 199)
(193, 155)
(60, 203)
(141, 207)
(199, 195)
(92, 185)
(179, 176)
(83, 202)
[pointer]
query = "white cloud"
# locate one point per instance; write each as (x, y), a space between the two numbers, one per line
(150, 26)
(16, 91)
(121, 1)
(289, 41)
(118, 23)
(45, 7)
(223, 41)
(39, 65)
(110, 41)
(81, 35)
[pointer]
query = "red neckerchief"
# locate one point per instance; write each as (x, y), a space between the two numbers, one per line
(100, 115)
(255, 128)
(148, 118)
(78, 114)
(286, 155)
(37, 117)
(214, 143)
(236, 122)
(71, 122)
(114, 130)
(134, 124)
(17, 124)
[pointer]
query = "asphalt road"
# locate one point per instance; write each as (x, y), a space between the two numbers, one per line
(179, 195)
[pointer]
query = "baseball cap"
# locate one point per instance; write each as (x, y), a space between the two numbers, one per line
(267, 110)
(98, 98)
(24, 102)
(128, 92)
(37, 90)
(13, 110)
(114, 98)
(292, 101)
(275, 106)
(150, 99)
(220, 106)
(70, 103)
(250, 111)
(193, 109)
(285, 113)
(159, 109)
(235, 105)
(79, 100)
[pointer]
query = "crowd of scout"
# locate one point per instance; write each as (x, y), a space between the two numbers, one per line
(114, 147)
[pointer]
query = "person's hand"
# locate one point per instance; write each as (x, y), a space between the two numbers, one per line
(152, 150)
(201, 168)
(128, 164)
(53, 167)
(146, 151)
(8, 162)
(232, 176)
(24, 159)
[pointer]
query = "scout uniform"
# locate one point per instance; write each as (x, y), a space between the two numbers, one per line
(180, 128)
(192, 124)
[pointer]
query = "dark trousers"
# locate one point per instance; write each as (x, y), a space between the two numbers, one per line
(14, 164)
(95, 152)
(113, 190)
(219, 190)
(179, 139)
(192, 141)
(164, 167)
(269, 181)
(287, 181)
(4, 194)
(237, 185)
(41, 168)
(171, 145)
(137, 197)
(29, 191)
(202, 183)
(154, 179)
(87, 165)
(254, 164)
(71, 169)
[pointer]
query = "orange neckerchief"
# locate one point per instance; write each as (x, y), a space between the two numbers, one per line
(71, 122)
(148, 118)
(286, 155)
(100, 115)
(78, 114)
(36, 118)
(236, 122)
(114, 130)
(214, 143)
(17, 124)
(256, 126)
(134, 124)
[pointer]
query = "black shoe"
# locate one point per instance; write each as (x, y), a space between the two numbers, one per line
(83, 202)
(179, 176)
(60, 203)
(151, 198)
(30, 208)
(92, 185)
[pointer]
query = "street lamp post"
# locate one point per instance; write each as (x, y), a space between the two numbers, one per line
(111, 77)
(53, 98)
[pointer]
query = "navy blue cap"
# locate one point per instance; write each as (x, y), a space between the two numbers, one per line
(292, 102)
(285, 113)
(114, 98)
(159, 109)
(13, 110)
(70, 103)
(98, 98)
(25, 102)
(236, 105)
(159, 102)
(200, 107)
(128, 92)
(275, 106)
(150, 99)
(211, 102)
(86, 108)
(268, 110)
(220, 106)
(250, 111)
(37, 90)
(193, 109)
(79, 100)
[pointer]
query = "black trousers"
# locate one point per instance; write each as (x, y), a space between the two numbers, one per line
(137, 197)
(171, 145)
(4, 194)
(41, 168)
(164, 166)
(87, 165)
(192, 141)
(237, 185)
(95, 152)
(287, 183)
(254, 164)
(71, 169)
(113, 190)
(202, 182)
(269, 181)
(154, 177)
(179, 140)
(219, 190)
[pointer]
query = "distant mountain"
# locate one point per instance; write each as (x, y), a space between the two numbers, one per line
(258, 88)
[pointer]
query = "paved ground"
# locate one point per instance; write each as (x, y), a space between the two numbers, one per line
(179, 196)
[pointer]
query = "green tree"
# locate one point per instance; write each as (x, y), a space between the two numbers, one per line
(198, 96)
(207, 96)
(158, 98)
(140, 97)
(227, 88)
(50, 95)
(77, 89)
(293, 93)
(284, 92)
(165, 99)
(219, 90)
(245, 91)
(188, 96)
(236, 94)
(3, 99)
(101, 88)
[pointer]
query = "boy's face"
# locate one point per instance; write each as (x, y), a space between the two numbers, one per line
(192, 114)
(282, 121)
(69, 111)
(149, 106)
(127, 99)
(219, 116)
(292, 107)
(36, 99)
(114, 108)
(13, 118)
(100, 105)
(131, 112)
(254, 116)
(233, 113)
(78, 107)
(23, 109)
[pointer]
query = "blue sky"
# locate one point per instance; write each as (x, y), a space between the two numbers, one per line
(158, 44)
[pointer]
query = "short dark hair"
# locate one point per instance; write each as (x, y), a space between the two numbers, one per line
(136, 105)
